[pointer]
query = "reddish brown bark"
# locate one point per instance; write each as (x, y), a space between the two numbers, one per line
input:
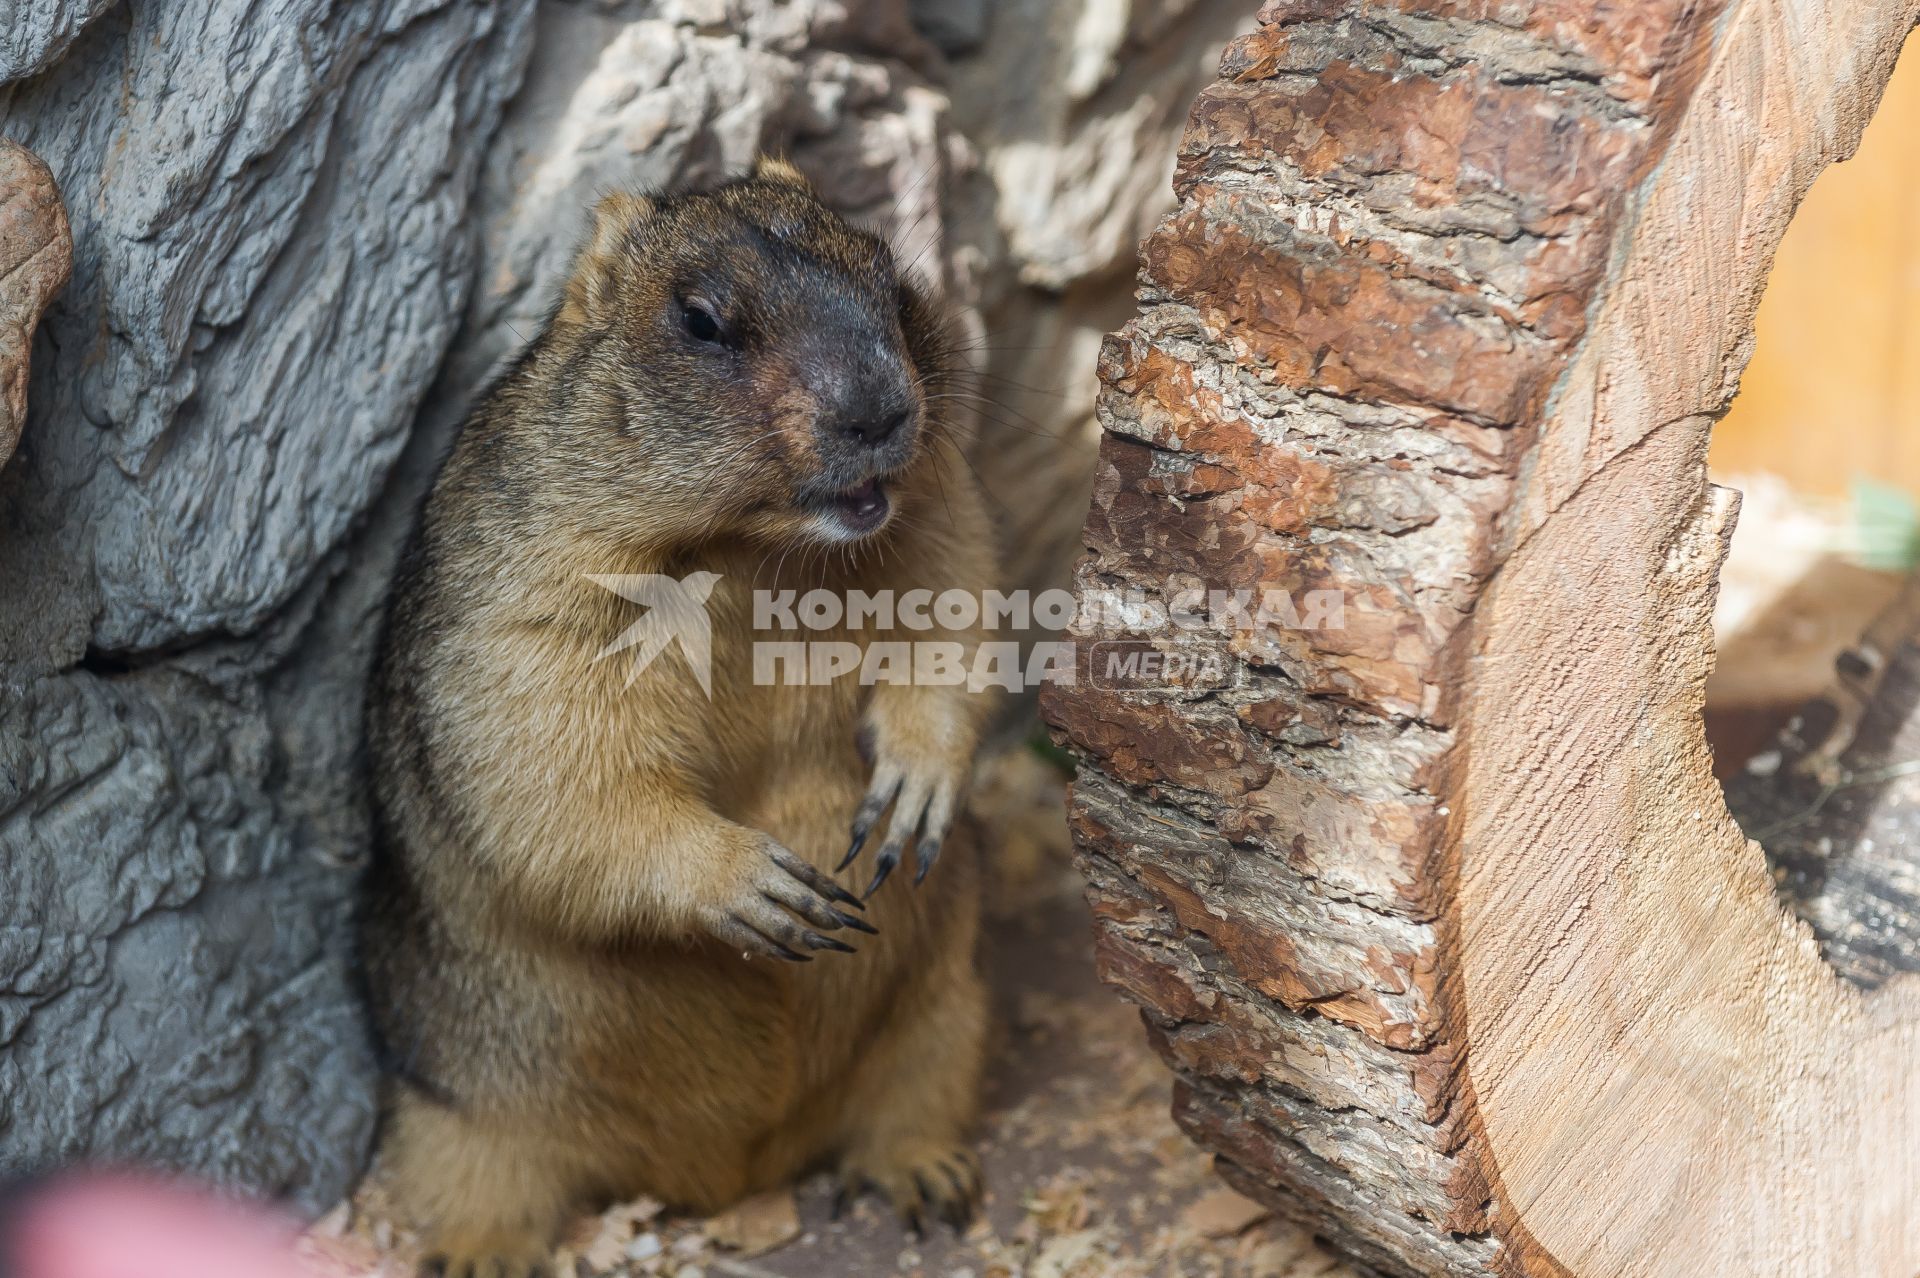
(36, 256)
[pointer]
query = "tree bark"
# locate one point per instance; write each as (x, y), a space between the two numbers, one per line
(36, 257)
(1439, 914)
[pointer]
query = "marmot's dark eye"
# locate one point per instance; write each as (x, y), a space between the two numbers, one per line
(699, 322)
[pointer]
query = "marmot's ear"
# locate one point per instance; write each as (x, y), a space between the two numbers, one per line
(777, 168)
(596, 267)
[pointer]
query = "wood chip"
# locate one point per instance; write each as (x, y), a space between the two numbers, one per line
(335, 1223)
(1222, 1214)
(607, 1249)
(601, 1241)
(1064, 1255)
(757, 1225)
(335, 1256)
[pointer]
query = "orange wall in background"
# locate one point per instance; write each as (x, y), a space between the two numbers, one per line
(1833, 392)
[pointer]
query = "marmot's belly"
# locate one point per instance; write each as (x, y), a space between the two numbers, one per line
(807, 804)
(694, 1067)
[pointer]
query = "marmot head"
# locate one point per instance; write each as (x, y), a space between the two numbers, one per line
(749, 364)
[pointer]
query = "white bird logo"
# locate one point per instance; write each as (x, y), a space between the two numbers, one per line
(676, 611)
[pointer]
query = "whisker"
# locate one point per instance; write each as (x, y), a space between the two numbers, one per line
(981, 405)
(981, 397)
(1056, 393)
(914, 185)
(986, 489)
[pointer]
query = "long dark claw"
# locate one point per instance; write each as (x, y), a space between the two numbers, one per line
(957, 1212)
(915, 1223)
(745, 935)
(815, 941)
(858, 925)
(926, 853)
(838, 1208)
(864, 818)
(962, 1185)
(834, 892)
(817, 881)
(883, 866)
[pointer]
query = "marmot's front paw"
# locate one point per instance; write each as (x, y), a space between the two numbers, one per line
(756, 918)
(924, 791)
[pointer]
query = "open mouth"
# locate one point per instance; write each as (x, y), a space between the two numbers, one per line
(860, 510)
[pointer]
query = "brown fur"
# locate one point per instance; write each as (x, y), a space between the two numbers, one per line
(551, 932)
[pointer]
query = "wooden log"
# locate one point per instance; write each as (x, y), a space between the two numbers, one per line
(1440, 915)
(36, 257)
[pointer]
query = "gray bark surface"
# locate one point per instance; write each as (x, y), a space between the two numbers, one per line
(38, 31)
(271, 212)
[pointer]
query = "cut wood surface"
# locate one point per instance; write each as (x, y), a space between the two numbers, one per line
(1440, 916)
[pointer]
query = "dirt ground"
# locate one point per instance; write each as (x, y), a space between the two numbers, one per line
(1087, 1177)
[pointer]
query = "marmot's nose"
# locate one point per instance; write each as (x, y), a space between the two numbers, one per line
(877, 428)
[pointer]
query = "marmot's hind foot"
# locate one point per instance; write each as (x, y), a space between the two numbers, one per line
(499, 1256)
(922, 1182)
(489, 1202)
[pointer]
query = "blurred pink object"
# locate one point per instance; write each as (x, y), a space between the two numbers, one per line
(123, 1226)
